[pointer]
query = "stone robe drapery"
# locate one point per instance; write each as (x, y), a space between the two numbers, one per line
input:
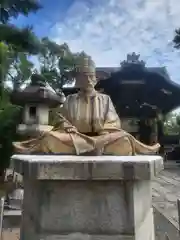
(90, 114)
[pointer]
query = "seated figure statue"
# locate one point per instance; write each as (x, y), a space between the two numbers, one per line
(87, 124)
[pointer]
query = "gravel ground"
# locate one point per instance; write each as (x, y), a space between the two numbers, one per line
(166, 191)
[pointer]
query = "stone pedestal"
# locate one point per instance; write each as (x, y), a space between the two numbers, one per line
(87, 197)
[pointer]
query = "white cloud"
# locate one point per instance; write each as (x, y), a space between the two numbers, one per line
(110, 29)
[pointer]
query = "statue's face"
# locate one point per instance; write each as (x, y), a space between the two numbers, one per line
(85, 81)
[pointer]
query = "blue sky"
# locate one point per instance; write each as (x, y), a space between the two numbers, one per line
(110, 29)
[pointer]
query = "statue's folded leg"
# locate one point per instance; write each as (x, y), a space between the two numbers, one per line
(50, 142)
(122, 143)
(57, 142)
(120, 147)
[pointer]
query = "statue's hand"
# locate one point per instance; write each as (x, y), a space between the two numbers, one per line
(71, 130)
(104, 133)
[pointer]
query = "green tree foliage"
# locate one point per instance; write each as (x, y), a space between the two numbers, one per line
(176, 39)
(15, 67)
(56, 63)
(9, 119)
(38, 79)
(4, 65)
(20, 70)
(12, 8)
(172, 124)
(8, 113)
(20, 39)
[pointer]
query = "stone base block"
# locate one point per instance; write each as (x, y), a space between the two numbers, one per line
(146, 228)
(87, 198)
(80, 236)
(144, 232)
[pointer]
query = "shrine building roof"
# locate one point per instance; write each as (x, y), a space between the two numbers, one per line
(137, 90)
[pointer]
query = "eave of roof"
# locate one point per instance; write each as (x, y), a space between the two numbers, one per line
(158, 79)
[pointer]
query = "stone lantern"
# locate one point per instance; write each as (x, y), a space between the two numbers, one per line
(36, 99)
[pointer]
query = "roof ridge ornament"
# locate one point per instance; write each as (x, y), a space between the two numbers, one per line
(132, 59)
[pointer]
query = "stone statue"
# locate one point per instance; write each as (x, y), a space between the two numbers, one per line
(87, 124)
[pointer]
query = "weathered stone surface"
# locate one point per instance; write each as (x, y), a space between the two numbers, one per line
(146, 229)
(89, 197)
(80, 236)
(88, 167)
(92, 207)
